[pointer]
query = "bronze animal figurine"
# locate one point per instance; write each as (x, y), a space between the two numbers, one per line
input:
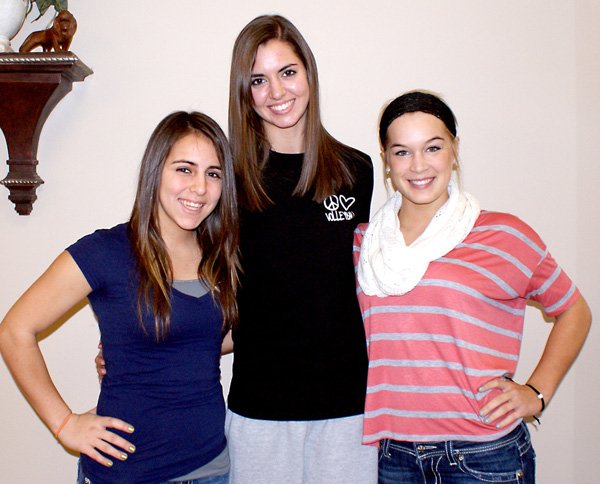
(57, 37)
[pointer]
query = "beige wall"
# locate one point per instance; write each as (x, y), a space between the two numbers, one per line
(586, 389)
(522, 78)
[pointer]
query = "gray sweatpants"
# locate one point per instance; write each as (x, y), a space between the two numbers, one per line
(304, 452)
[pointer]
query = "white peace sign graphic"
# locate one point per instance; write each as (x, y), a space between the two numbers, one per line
(331, 203)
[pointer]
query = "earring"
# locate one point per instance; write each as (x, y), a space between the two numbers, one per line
(387, 170)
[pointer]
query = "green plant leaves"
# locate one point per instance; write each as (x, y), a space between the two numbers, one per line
(44, 5)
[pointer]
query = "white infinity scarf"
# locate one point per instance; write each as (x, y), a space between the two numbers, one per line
(387, 266)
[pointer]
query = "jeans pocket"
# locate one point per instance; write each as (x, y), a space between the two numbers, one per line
(524, 443)
(383, 451)
(493, 465)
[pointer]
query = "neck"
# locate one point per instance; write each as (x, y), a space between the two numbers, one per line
(288, 140)
(184, 254)
(181, 240)
(414, 219)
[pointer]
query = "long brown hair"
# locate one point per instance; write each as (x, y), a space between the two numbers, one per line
(324, 167)
(217, 235)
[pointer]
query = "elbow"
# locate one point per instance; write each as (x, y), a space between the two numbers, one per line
(8, 337)
(581, 315)
(3, 337)
(587, 317)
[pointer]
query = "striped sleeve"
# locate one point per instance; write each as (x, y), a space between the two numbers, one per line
(551, 287)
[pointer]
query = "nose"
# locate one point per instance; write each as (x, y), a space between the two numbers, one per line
(277, 89)
(418, 163)
(198, 185)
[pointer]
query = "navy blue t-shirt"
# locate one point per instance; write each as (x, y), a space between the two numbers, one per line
(169, 391)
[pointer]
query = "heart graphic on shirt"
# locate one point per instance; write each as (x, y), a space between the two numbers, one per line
(346, 202)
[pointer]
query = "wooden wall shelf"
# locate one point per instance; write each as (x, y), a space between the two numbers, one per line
(31, 85)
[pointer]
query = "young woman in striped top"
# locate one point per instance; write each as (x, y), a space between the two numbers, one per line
(443, 290)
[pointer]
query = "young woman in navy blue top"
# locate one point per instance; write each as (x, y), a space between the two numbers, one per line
(163, 288)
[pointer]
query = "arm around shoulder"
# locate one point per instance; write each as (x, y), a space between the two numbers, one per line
(227, 344)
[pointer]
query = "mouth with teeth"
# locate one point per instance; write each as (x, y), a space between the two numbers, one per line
(191, 205)
(423, 182)
(283, 107)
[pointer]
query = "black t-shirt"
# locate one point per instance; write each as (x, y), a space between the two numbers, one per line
(300, 351)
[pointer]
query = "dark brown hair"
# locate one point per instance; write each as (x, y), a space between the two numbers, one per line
(324, 167)
(217, 235)
(416, 101)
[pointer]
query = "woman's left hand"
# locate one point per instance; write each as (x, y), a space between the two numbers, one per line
(515, 401)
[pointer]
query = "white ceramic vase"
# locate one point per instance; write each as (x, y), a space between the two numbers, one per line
(12, 16)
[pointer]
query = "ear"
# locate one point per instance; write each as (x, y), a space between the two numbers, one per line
(456, 149)
(382, 154)
(386, 165)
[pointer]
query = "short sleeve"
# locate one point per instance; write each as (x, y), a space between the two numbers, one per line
(102, 255)
(551, 287)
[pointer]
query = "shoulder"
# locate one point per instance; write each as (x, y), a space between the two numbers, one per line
(116, 234)
(509, 225)
(490, 218)
(104, 256)
(353, 158)
(360, 168)
(111, 240)
(357, 159)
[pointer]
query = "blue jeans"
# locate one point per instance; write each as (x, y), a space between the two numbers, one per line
(223, 479)
(510, 459)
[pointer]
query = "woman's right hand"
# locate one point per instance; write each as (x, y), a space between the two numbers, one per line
(89, 434)
(100, 363)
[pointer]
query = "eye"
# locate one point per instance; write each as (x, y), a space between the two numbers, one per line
(183, 169)
(257, 81)
(401, 153)
(216, 174)
(433, 148)
(289, 72)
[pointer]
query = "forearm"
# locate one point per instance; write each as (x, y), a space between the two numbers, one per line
(23, 357)
(563, 344)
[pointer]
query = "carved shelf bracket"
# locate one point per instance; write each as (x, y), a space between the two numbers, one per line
(31, 85)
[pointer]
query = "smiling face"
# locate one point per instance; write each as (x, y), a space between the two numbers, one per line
(280, 91)
(420, 153)
(190, 186)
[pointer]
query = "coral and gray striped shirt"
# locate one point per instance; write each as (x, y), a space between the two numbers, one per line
(461, 326)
